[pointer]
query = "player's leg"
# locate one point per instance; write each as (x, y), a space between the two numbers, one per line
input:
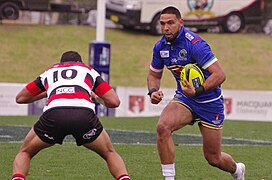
(173, 117)
(30, 147)
(212, 139)
(103, 146)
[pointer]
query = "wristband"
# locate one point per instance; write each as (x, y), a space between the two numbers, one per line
(151, 91)
(199, 90)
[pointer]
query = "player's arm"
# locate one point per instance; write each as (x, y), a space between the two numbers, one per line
(111, 99)
(153, 83)
(216, 78)
(154, 80)
(97, 99)
(202, 51)
(104, 94)
(33, 91)
(25, 97)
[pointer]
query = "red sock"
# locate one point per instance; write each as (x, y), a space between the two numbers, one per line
(18, 177)
(123, 177)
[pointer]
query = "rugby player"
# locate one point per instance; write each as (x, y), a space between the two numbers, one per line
(71, 88)
(203, 104)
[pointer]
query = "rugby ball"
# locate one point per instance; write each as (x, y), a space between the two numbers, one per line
(193, 74)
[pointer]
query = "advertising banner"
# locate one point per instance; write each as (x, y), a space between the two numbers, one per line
(135, 102)
(248, 105)
(239, 105)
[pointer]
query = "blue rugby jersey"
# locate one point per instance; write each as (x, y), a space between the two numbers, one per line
(187, 48)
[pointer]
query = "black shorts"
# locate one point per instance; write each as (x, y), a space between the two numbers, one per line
(56, 123)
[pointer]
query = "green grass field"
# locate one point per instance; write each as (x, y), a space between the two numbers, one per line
(71, 162)
(31, 49)
(25, 51)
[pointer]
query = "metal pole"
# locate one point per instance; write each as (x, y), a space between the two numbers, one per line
(100, 20)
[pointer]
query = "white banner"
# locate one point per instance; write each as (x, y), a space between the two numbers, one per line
(8, 105)
(239, 105)
(135, 102)
(248, 105)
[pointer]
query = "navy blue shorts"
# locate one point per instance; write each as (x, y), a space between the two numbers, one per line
(209, 114)
(56, 123)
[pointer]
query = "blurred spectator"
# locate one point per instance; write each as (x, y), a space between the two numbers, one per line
(268, 27)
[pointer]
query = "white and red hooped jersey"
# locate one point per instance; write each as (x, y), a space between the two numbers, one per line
(69, 84)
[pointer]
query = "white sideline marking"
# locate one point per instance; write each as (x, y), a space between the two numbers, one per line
(5, 136)
(195, 135)
(176, 134)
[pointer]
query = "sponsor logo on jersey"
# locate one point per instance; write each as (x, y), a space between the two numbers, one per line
(164, 54)
(189, 36)
(174, 61)
(90, 134)
(182, 55)
(217, 116)
(67, 90)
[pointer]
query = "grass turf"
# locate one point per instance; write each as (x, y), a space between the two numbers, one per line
(71, 162)
(68, 161)
(26, 51)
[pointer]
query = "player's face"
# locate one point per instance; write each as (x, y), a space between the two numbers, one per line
(170, 26)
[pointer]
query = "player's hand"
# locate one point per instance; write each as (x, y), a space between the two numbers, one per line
(96, 99)
(156, 97)
(189, 90)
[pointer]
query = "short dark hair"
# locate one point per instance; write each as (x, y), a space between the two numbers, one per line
(70, 56)
(171, 10)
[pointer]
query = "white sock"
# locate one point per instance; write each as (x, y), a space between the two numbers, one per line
(168, 171)
(237, 169)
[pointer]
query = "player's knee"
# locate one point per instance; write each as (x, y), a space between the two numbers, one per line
(25, 155)
(163, 131)
(28, 152)
(108, 153)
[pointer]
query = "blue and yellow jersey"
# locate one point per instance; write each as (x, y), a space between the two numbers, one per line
(187, 48)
